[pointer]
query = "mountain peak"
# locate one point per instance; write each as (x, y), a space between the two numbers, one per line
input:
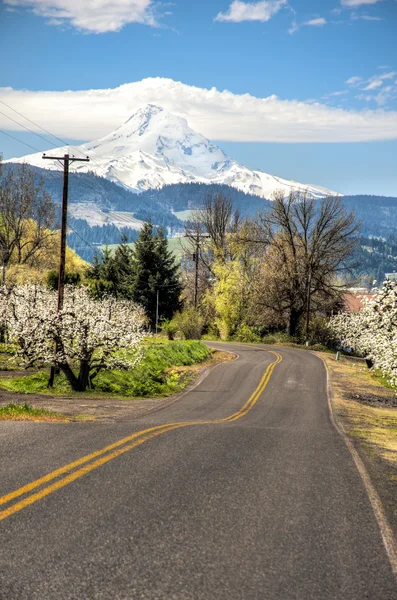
(145, 113)
(154, 148)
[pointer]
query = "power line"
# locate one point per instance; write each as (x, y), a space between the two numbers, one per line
(18, 140)
(27, 128)
(52, 135)
(85, 241)
(33, 123)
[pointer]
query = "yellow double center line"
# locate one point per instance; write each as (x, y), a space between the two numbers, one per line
(78, 468)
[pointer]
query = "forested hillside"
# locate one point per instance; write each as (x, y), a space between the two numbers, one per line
(376, 254)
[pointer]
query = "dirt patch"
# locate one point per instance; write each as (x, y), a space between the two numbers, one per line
(372, 399)
(107, 408)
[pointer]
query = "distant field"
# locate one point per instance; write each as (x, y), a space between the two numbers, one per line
(95, 216)
(177, 246)
(185, 215)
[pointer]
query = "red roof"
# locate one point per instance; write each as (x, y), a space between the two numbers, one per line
(353, 302)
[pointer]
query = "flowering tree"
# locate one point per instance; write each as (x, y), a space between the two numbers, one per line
(86, 336)
(372, 332)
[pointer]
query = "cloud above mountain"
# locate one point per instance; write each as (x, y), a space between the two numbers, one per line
(93, 16)
(219, 115)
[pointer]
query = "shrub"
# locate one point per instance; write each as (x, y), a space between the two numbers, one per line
(190, 323)
(71, 278)
(170, 328)
(246, 333)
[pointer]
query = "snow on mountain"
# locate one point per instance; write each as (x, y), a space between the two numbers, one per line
(155, 148)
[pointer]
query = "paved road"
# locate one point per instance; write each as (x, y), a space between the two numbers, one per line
(266, 506)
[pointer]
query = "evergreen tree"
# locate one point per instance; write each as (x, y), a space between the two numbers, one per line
(124, 267)
(155, 272)
(168, 274)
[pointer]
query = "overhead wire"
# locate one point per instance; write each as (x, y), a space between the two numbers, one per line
(35, 124)
(27, 128)
(52, 135)
(82, 182)
(18, 140)
(85, 241)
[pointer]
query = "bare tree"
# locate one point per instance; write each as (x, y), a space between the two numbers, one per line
(219, 219)
(208, 234)
(308, 242)
(26, 216)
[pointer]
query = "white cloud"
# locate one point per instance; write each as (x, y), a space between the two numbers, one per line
(318, 22)
(93, 16)
(355, 17)
(90, 114)
(356, 3)
(390, 75)
(377, 81)
(294, 27)
(382, 97)
(373, 85)
(251, 11)
(354, 81)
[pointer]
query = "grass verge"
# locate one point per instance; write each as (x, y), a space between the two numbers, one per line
(25, 412)
(365, 405)
(166, 369)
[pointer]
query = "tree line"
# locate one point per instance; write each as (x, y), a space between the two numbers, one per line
(282, 269)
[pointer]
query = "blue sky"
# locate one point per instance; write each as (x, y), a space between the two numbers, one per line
(336, 58)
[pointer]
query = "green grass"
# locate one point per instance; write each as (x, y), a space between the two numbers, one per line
(160, 373)
(7, 358)
(25, 412)
(185, 215)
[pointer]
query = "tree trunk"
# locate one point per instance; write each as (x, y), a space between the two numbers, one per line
(83, 380)
(71, 377)
(294, 317)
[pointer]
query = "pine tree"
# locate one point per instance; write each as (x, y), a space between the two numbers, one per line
(155, 272)
(168, 274)
(124, 267)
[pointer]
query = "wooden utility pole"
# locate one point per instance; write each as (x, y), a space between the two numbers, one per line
(196, 270)
(66, 160)
(308, 301)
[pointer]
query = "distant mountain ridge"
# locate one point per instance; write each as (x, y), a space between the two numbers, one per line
(154, 148)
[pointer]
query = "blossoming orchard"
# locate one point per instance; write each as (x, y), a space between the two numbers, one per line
(372, 332)
(85, 337)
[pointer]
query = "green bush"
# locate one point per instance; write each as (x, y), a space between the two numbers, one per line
(170, 328)
(320, 332)
(247, 334)
(279, 337)
(71, 278)
(153, 376)
(190, 323)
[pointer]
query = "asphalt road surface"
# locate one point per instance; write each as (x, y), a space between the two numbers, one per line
(252, 495)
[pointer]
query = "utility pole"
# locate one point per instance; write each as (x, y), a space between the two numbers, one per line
(196, 270)
(196, 239)
(308, 301)
(65, 160)
(157, 309)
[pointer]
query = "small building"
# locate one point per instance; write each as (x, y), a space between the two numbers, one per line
(353, 302)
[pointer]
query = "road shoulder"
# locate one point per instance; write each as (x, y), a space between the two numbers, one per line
(366, 412)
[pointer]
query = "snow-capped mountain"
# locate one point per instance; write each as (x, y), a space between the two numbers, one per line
(155, 148)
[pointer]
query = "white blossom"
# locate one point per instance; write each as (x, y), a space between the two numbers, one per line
(87, 334)
(372, 332)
